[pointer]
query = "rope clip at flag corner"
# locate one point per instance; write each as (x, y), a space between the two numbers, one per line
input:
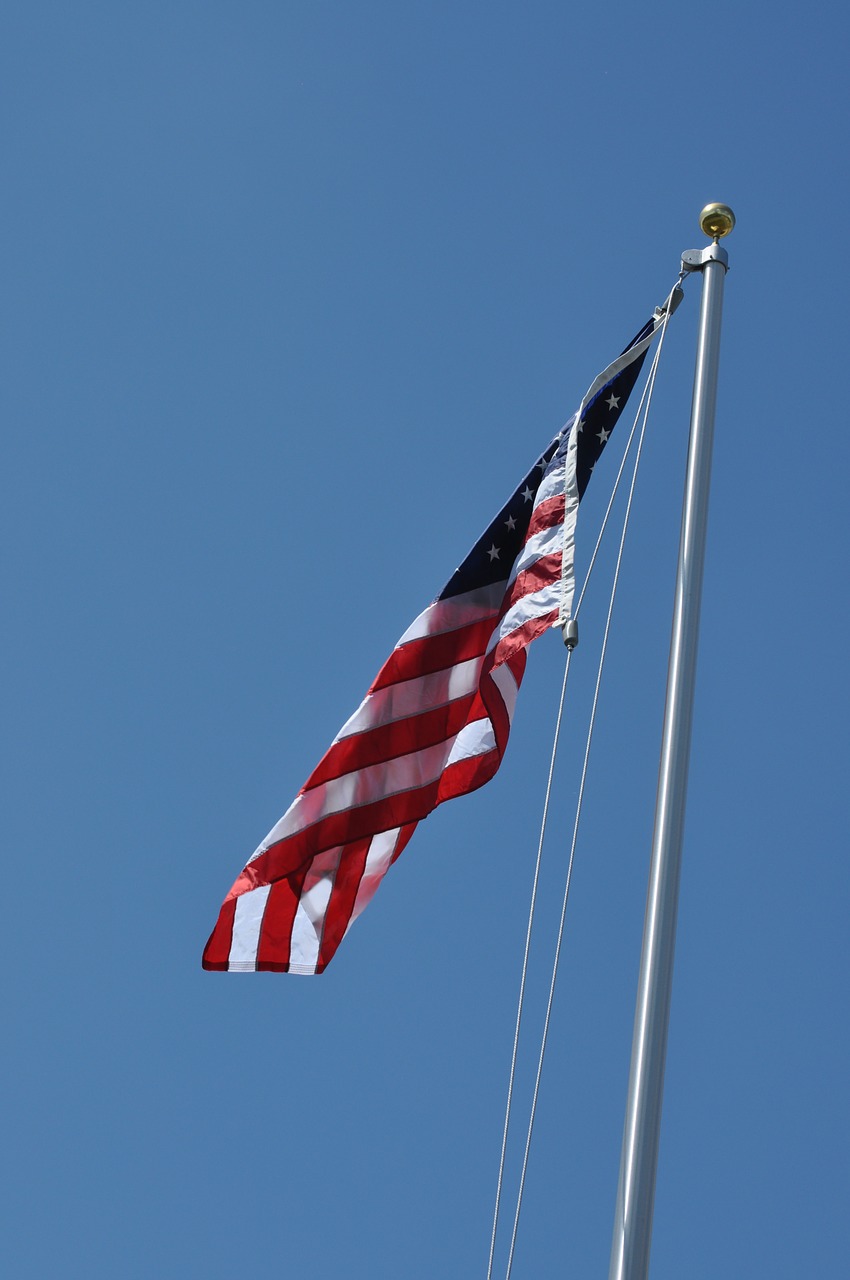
(670, 305)
(569, 630)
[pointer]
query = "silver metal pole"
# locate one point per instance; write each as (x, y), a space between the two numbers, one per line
(639, 1159)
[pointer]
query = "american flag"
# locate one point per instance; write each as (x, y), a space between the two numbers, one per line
(435, 722)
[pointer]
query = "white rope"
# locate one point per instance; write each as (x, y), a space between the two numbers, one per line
(650, 383)
(536, 878)
(521, 1000)
(647, 392)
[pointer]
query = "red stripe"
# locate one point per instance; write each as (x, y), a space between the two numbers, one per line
(464, 776)
(278, 918)
(547, 515)
(435, 653)
(387, 741)
(519, 640)
(217, 950)
(542, 573)
(344, 895)
(403, 836)
(494, 702)
(338, 912)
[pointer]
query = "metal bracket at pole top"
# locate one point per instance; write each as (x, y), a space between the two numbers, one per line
(695, 259)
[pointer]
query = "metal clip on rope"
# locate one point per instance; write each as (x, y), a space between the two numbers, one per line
(569, 630)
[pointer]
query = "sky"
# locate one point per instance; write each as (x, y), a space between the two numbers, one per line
(293, 295)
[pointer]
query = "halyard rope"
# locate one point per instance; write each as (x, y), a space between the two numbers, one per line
(521, 999)
(644, 405)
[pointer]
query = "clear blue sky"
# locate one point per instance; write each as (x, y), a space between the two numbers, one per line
(292, 295)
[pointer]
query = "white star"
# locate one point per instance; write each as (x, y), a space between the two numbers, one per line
(613, 402)
(510, 523)
(493, 553)
(580, 427)
(527, 494)
(542, 464)
(603, 435)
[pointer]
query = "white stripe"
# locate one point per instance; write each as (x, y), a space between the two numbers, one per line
(456, 611)
(571, 500)
(306, 934)
(378, 859)
(246, 928)
(505, 681)
(545, 543)
(552, 483)
(535, 605)
(409, 697)
(474, 739)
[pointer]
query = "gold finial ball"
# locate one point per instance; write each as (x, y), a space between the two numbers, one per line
(717, 220)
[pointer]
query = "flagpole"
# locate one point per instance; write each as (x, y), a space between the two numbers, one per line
(639, 1158)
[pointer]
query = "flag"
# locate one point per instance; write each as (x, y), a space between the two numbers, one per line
(435, 722)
